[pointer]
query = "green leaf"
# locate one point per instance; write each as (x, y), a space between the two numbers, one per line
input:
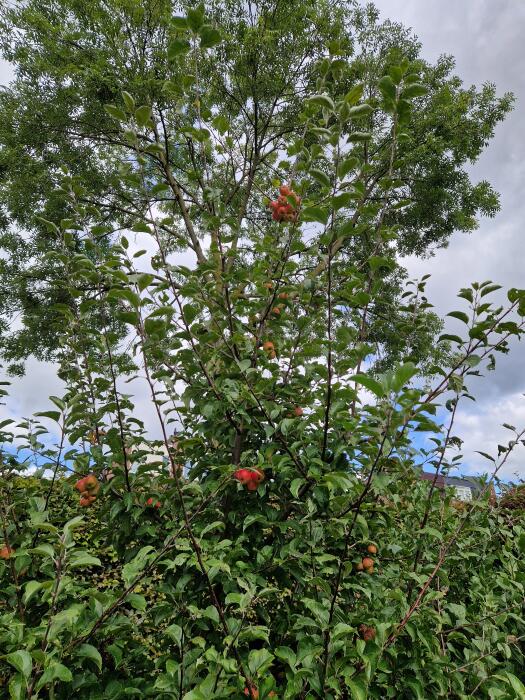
(323, 101)
(319, 131)
(209, 37)
(361, 524)
(143, 115)
(190, 312)
(128, 101)
(195, 18)
(295, 486)
(178, 47)
(124, 293)
(466, 293)
(516, 684)
(31, 588)
(342, 200)
(320, 176)
(82, 559)
(54, 415)
(357, 688)
(259, 661)
(137, 601)
(369, 383)
(387, 87)
(179, 22)
(377, 262)
(396, 73)
(318, 214)
(90, 652)
(130, 317)
(359, 136)
(402, 375)
(486, 455)
(489, 289)
(155, 149)
(54, 672)
(355, 94)
(212, 614)
(360, 111)
(141, 227)
(194, 694)
(145, 280)
(116, 113)
(287, 655)
(414, 90)
(347, 165)
(46, 550)
(17, 688)
(452, 338)
(221, 123)
(417, 688)
(22, 661)
(461, 315)
(174, 632)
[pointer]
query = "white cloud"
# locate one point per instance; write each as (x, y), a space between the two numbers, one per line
(482, 430)
(486, 40)
(6, 72)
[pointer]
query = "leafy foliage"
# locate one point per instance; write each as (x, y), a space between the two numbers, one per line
(272, 537)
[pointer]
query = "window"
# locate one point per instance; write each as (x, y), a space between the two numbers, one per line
(464, 493)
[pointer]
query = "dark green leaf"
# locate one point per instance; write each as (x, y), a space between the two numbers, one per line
(209, 37)
(461, 315)
(318, 214)
(387, 87)
(143, 115)
(369, 383)
(178, 47)
(22, 661)
(414, 90)
(322, 101)
(90, 652)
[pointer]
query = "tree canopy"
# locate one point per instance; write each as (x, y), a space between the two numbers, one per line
(73, 59)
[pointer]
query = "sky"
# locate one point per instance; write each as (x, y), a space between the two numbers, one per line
(486, 39)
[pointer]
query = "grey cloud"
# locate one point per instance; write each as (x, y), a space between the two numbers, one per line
(486, 39)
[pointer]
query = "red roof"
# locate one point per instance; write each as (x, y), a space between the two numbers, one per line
(427, 476)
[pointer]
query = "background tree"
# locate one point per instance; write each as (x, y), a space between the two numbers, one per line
(72, 59)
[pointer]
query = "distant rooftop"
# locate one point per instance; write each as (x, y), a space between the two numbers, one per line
(458, 482)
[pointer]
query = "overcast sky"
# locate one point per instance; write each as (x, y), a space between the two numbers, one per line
(486, 38)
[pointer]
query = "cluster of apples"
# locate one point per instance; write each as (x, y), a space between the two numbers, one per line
(282, 208)
(153, 504)
(88, 487)
(251, 478)
(367, 563)
(6, 552)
